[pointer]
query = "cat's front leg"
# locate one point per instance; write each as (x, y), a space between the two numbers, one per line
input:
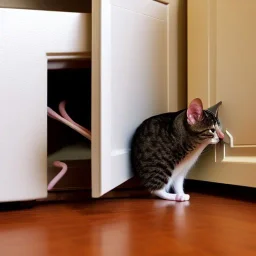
(164, 192)
(178, 188)
(161, 193)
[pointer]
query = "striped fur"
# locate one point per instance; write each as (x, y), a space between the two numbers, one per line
(162, 142)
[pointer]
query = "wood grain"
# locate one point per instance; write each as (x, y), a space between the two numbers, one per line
(207, 226)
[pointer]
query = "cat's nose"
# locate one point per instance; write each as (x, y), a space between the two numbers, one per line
(220, 133)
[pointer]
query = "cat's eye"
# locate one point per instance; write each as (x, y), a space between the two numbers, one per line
(212, 130)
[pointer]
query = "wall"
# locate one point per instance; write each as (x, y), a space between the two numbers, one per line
(178, 55)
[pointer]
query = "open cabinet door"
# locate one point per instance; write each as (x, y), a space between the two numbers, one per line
(129, 81)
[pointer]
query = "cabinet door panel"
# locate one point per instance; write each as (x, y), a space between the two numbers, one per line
(221, 67)
(129, 80)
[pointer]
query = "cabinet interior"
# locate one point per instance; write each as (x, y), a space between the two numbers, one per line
(69, 80)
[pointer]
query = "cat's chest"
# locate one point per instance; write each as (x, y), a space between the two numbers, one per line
(188, 162)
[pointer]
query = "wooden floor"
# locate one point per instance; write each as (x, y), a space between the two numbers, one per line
(207, 225)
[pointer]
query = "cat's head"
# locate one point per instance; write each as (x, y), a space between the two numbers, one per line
(204, 123)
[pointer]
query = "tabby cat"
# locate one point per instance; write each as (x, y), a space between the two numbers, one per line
(166, 146)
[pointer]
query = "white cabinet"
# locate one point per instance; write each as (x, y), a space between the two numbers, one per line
(128, 41)
(221, 67)
(27, 40)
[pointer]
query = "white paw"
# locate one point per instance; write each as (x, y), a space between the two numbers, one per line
(182, 197)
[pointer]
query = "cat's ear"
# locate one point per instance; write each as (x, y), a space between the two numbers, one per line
(195, 111)
(215, 109)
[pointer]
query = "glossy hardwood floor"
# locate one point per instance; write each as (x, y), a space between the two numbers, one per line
(207, 225)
